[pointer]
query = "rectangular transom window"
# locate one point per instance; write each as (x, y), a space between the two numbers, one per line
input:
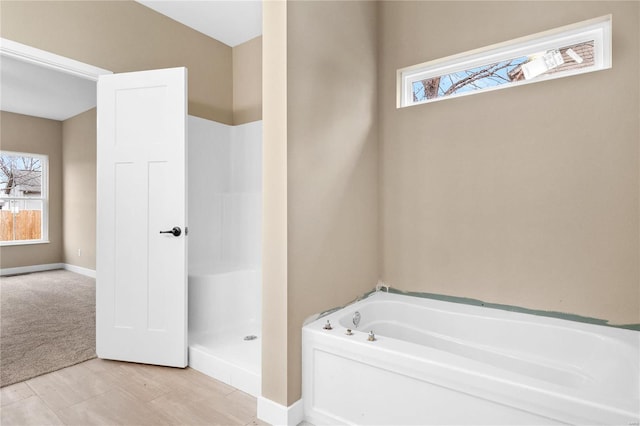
(23, 198)
(570, 50)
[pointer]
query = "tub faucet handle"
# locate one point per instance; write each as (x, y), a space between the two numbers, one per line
(371, 337)
(327, 326)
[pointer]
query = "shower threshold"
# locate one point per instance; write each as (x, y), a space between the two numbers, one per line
(228, 357)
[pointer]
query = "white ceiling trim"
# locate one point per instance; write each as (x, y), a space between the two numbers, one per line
(50, 60)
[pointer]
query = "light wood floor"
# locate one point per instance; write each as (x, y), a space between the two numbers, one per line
(99, 392)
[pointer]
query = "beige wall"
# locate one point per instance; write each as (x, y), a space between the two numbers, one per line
(79, 195)
(526, 196)
(247, 81)
(274, 209)
(22, 133)
(332, 161)
(330, 169)
(125, 36)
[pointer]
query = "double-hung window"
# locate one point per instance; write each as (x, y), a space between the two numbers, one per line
(23, 198)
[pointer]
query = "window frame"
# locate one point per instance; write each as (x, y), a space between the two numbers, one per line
(597, 29)
(44, 198)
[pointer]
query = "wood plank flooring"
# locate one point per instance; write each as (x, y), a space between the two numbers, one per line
(100, 392)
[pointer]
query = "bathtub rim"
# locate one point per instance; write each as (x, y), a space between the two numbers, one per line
(465, 301)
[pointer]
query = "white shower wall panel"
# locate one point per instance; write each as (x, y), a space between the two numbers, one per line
(241, 224)
(209, 151)
(209, 176)
(223, 302)
(225, 201)
(246, 158)
(243, 210)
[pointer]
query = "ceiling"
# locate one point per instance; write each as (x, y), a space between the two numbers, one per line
(230, 21)
(29, 89)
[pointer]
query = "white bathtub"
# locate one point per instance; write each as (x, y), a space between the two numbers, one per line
(438, 362)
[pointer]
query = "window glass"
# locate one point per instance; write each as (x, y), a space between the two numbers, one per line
(522, 68)
(23, 197)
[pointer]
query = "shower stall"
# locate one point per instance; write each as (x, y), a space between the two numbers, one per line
(224, 246)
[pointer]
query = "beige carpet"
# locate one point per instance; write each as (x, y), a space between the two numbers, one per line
(48, 322)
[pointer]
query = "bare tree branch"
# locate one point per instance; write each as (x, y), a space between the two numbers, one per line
(19, 171)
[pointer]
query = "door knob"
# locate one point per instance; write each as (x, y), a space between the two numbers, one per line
(176, 231)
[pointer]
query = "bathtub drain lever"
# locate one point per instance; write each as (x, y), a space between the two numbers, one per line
(327, 326)
(372, 337)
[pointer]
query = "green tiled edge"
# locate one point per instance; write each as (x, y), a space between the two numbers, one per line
(476, 302)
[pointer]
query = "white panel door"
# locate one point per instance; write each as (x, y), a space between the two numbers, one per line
(141, 273)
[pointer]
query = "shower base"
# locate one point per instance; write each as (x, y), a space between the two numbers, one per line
(228, 357)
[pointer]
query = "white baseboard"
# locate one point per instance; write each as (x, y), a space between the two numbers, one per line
(48, 267)
(276, 414)
(31, 268)
(80, 270)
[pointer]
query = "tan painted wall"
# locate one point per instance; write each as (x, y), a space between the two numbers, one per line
(247, 81)
(526, 196)
(274, 207)
(22, 133)
(79, 195)
(330, 233)
(332, 161)
(125, 36)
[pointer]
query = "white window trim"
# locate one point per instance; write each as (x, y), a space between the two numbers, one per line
(597, 29)
(44, 198)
